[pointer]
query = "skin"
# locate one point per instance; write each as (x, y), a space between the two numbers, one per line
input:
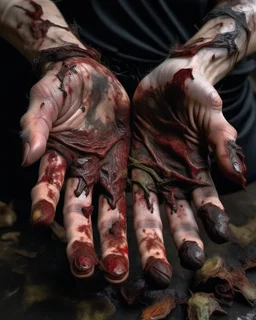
(67, 110)
(177, 119)
(87, 111)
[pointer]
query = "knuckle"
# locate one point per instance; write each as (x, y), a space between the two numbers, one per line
(215, 99)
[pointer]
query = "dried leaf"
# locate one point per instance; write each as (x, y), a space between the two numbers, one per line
(7, 215)
(244, 235)
(95, 309)
(249, 263)
(132, 291)
(213, 267)
(58, 231)
(202, 305)
(244, 286)
(159, 309)
(215, 277)
(25, 253)
(10, 236)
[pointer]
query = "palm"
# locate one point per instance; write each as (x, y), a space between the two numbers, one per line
(177, 117)
(79, 112)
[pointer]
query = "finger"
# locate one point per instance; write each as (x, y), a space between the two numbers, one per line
(229, 156)
(113, 235)
(77, 221)
(211, 210)
(45, 195)
(37, 122)
(185, 235)
(148, 228)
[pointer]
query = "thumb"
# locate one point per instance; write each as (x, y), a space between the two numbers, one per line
(229, 156)
(36, 124)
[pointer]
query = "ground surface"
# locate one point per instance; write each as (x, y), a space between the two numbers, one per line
(36, 283)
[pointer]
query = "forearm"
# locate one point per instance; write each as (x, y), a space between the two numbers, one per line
(32, 26)
(228, 35)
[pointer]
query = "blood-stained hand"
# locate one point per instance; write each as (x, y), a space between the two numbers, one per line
(177, 121)
(78, 124)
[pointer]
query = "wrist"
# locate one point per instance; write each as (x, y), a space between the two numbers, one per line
(32, 27)
(219, 44)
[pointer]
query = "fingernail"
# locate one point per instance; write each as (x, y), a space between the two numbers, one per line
(115, 267)
(237, 167)
(158, 273)
(82, 264)
(26, 149)
(215, 222)
(191, 255)
(42, 213)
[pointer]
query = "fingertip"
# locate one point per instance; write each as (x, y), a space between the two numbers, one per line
(215, 221)
(42, 213)
(231, 161)
(33, 149)
(158, 273)
(115, 268)
(191, 255)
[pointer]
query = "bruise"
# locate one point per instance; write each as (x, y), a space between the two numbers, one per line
(83, 256)
(98, 154)
(158, 273)
(215, 222)
(39, 27)
(236, 157)
(160, 148)
(225, 40)
(191, 255)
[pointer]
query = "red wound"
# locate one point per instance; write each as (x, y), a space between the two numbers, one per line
(55, 171)
(42, 213)
(115, 267)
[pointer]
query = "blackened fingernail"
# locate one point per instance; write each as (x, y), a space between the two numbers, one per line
(26, 149)
(215, 222)
(158, 273)
(191, 255)
(83, 265)
(115, 266)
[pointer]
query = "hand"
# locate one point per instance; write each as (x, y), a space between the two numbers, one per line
(79, 113)
(177, 121)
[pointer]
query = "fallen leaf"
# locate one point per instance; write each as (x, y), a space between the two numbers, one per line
(58, 231)
(249, 263)
(244, 235)
(25, 253)
(244, 286)
(132, 291)
(10, 236)
(95, 309)
(202, 305)
(159, 309)
(7, 215)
